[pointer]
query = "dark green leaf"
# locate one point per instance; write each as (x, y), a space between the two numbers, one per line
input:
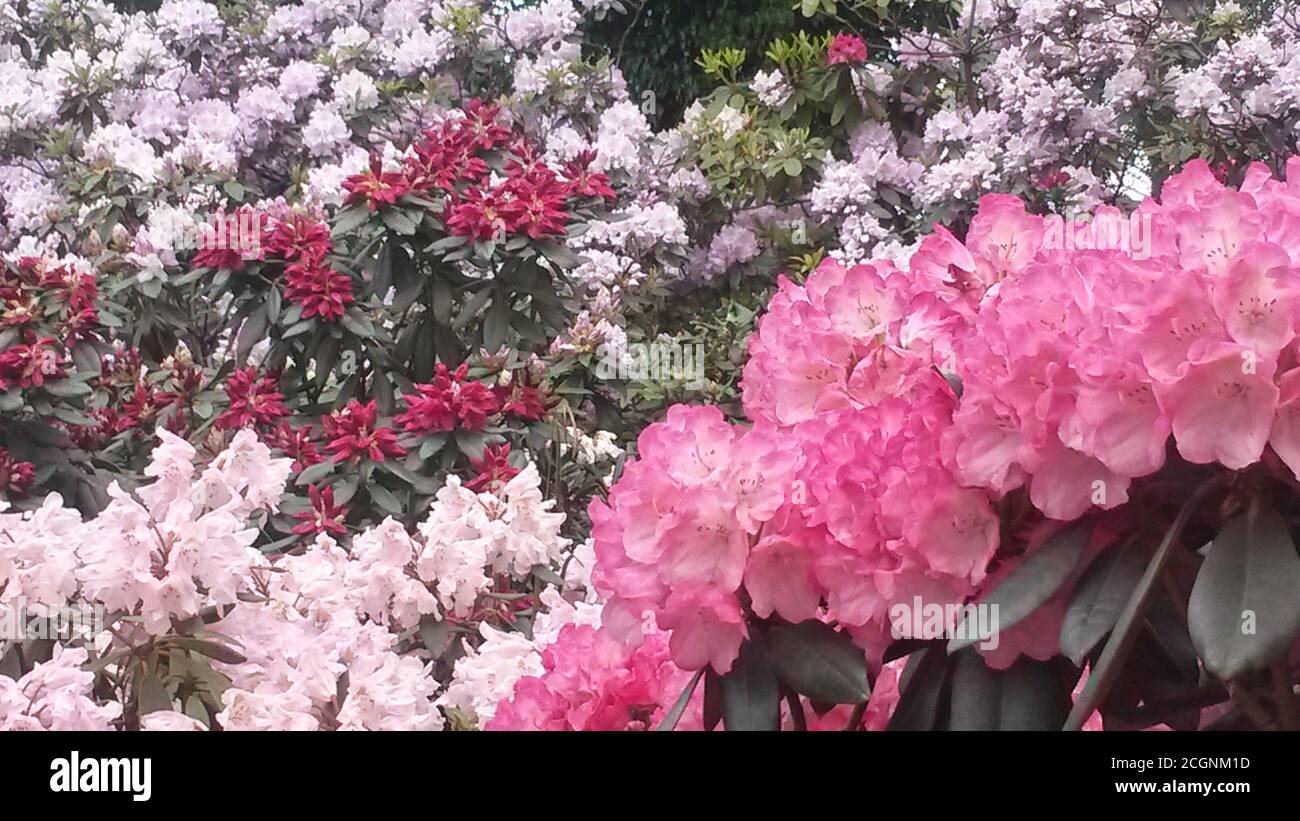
(1099, 597)
(1244, 611)
(211, 649)
(1033, 582)
(434, 633)
(921, 690)
(751, 694)
(151, 694)
(814, 660)
(1029, 695)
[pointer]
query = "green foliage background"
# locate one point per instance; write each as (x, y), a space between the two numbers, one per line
(657, 46)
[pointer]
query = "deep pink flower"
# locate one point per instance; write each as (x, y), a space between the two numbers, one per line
(31, 365)
(583, 181)
(848, 49)
(376, 187)
(296, 443)
(301, 239)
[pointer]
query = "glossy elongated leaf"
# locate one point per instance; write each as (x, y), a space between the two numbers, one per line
(1028, 695)
(1244, 611)
(383, 497)
(712, 699)
(349, 219)
(211, 649)
(815, 660)
(496, 324)
(1032, 583)
(1099, 597)
(1125, 632)
(314, 473)
(751, 694)
(921, 690)
(251, 332)
(400, 221)
(434, 633)
(560, 255)
(151, 694)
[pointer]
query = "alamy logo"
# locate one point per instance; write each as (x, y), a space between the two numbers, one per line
(930, 620)
(77, 774)
(652, 362)
(1105, 232)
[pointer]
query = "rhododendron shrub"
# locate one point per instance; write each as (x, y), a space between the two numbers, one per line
(200, 629)
(822, 146)
(385, 206)
(980, 426)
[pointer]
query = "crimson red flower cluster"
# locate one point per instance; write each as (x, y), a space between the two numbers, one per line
(451, 400)
(15, 477)
(494, 469)
(310, 282)
(532, 200)
(323, 517)
(138, 400)
(846, 49)
(254, 400)
(31, 365)
(232, 240)
(297, 444)
(355, 434)
(45, 309)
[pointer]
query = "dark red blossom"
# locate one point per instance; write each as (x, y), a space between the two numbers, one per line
(354, 434)
(451, 399)
(483, 215)
(542, 198)
(521, 399)
(178, 422)
(31, 365)
(494, 469)
(444, 159)
(531, 203)
(296, 443)
(324, 516)
(142, 407)
(300, 238)
(482, 125)
(376, 187)
(254, 400)
(232, 240)
(583, 181)
(319, 289)
(15, 477)
(1049, 180)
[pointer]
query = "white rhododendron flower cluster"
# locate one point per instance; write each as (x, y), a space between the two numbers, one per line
(309, 640)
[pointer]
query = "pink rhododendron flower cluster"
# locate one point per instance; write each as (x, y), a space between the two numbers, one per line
(679, 528)
(1083, 362)
(593, 681)
(868, 478)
